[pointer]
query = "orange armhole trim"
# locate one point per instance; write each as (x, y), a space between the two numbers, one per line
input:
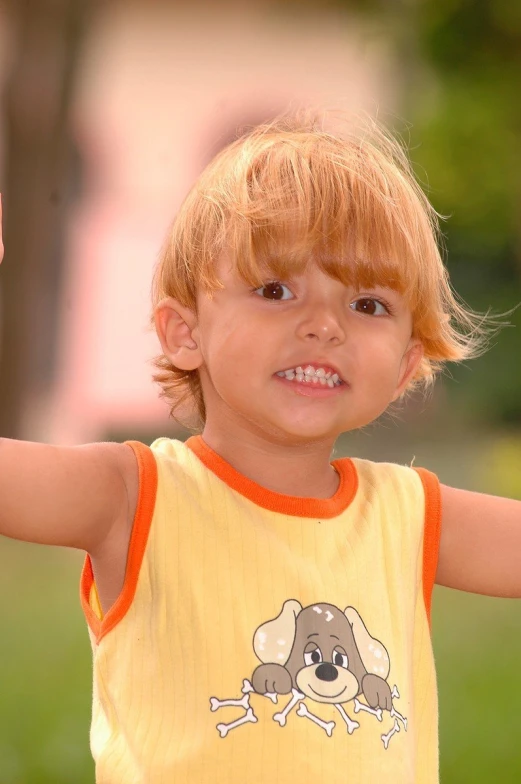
(138, 541)
(431, 534)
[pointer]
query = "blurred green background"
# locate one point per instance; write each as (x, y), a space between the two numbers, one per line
(460, 113)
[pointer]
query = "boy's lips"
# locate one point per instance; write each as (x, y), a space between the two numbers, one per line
(312, 379)
(310, 388)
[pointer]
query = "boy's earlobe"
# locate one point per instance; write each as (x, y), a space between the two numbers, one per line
(411, 359)
(176, 327)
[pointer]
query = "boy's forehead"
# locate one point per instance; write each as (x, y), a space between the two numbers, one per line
(226, 264)
(226, 268)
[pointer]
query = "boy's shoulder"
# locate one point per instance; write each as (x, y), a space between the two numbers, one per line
(404, 484)
(149, 461)
(386, 471)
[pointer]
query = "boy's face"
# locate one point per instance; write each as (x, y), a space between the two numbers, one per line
(245, 338)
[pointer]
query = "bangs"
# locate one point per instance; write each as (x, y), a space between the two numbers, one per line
(306, 198)
(357, 258)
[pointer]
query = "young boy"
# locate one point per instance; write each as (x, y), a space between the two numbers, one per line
(257, 612)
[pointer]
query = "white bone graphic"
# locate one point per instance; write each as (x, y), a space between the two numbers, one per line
(224, 729)
(403, 719)
(387, 738)
(351, 725)
(281, 717)
(244, 702)
(360, 706)
(328, 726)
(395, 692)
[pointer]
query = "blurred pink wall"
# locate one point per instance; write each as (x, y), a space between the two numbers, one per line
(160, 92)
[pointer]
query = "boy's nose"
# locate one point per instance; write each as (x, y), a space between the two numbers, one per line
(321, 324)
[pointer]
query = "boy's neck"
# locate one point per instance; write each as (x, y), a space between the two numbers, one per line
(302, 470)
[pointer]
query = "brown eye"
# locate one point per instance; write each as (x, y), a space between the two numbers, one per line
(369, 306)
(273, 290)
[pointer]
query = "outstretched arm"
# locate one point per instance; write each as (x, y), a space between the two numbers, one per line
(70, 496)
(480, 548)
(82, 496)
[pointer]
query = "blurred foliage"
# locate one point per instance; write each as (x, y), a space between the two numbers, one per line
(460, 63)
(463, 102)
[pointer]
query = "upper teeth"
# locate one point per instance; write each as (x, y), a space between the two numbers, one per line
(311, 375)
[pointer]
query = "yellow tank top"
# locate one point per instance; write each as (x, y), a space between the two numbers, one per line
(266, 638)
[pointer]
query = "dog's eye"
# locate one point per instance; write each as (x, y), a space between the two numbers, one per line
(313, 657)
(340, 659)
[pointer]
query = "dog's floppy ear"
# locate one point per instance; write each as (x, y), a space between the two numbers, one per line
(273, 641)
(373, 654)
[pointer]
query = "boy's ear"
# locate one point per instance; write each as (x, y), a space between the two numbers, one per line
(176, 327)
(410, 361)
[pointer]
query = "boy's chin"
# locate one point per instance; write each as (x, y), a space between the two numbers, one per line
(304, 431)
(308, 430)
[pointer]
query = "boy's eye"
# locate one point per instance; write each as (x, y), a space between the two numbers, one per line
(273, 290)
(370, 306)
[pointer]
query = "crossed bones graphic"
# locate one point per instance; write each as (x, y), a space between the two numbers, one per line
(302, 710)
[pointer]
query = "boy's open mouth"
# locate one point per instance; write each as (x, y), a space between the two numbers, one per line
(316, 376)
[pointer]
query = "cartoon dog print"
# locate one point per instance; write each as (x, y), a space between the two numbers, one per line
(324, 654)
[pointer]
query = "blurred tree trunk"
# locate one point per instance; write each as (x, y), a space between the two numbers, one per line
(38, 165)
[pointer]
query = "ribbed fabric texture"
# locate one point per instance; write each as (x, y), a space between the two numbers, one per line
(219, 585)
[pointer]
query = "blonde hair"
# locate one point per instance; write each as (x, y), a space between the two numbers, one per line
(291, 191)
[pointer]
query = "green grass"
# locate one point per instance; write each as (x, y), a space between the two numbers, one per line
(46, 661)
(477, 645)
(46, 668)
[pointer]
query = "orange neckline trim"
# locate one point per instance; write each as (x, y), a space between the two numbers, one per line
(278, 502)
(136, 551)
(431, 535)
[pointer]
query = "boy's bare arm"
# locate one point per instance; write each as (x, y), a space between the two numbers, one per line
(81, 496)
(71, 496)
(480, 548)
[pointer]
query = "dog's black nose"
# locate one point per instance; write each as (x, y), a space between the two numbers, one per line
(326, 672)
